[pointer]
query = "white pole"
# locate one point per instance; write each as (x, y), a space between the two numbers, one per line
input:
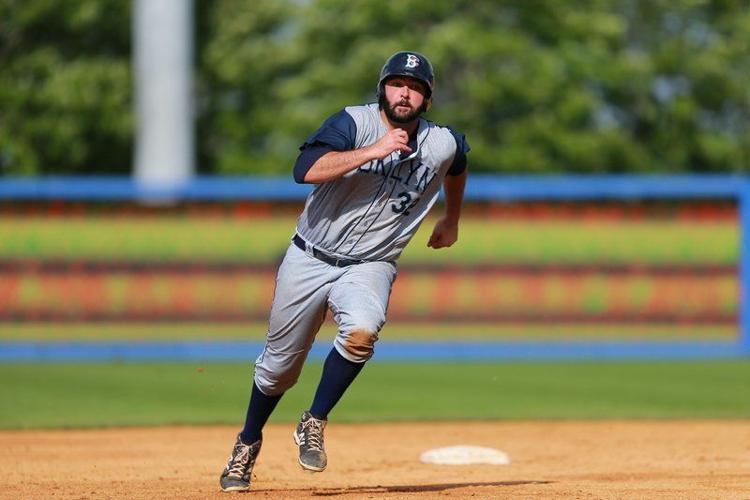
(163, 53)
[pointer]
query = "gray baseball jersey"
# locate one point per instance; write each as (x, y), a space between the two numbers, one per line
(372, 212)
(369, 214)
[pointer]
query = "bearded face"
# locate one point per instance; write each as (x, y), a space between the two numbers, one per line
(402, 99)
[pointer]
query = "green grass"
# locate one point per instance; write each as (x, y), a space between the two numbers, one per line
(96, 395)
(28, 331)
(265, 239)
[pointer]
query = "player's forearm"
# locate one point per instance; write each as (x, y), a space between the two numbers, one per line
(334, 164)
(454, 195)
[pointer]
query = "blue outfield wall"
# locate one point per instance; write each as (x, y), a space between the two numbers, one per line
(480, 188)
(438, 351)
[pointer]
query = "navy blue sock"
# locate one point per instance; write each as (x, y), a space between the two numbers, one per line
(338, 374)
(260, 408)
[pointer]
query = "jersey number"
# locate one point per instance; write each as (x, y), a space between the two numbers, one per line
(405, 202)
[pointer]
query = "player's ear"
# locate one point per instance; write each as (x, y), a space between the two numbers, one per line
(432, 93)
(380, 92)
(428, 102)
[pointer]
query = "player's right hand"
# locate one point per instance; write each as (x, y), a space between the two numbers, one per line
(394, 140)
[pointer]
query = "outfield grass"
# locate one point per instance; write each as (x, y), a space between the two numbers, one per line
(99, 395)
(264, 240)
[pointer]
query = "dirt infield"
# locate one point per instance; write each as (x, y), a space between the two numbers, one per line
(549, 459)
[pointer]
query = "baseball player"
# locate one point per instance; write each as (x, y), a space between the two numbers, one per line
(378, 169)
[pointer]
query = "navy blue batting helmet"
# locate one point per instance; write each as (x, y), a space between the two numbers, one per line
(411, 64)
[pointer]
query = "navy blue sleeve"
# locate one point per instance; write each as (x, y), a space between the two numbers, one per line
(338, 133)
(459, 161)
(307, 159)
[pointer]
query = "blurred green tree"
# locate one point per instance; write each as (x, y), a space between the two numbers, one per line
(65, 87)
(536, 85)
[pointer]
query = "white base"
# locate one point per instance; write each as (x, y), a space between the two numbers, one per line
(464, 455)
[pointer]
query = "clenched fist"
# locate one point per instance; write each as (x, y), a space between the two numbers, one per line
(394, 140)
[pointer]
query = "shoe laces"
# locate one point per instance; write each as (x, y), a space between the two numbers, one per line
(312, 429)
(240, 460)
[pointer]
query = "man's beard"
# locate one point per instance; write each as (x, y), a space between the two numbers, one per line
(390, 111)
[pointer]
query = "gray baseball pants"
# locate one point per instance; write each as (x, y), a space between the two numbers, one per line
(306, 287)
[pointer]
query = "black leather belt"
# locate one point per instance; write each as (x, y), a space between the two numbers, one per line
(328, 259)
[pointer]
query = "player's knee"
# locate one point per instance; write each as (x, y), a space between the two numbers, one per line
(357, 344)
(274, 384)
(275, 373)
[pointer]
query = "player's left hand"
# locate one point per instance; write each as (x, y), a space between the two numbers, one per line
(444, 234)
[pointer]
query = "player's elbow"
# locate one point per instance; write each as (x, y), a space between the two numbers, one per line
(306, 162)
(299, 175)
(310, 176)
(302, 166)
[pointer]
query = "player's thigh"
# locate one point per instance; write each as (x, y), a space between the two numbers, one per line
(359, 299)
(300, 300)
(298, 311)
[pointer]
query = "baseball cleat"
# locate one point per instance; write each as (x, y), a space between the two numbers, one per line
(309, 438)
(236, 475)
